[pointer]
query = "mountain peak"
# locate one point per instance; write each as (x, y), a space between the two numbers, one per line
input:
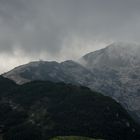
(133, 47)
(118, 54)
(123, 44)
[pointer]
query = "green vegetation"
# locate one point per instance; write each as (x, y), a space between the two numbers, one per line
(43, 110)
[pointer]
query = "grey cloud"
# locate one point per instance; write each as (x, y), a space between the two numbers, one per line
(44, 25)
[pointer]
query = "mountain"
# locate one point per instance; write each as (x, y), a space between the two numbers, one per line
(6, 86)
(44, 110)
(114, 71)
(67, 71)
(117, 69)
(116, 55)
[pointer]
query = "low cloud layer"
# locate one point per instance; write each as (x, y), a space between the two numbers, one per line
(63, 29)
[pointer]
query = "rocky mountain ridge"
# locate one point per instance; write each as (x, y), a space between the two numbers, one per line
(114, 71)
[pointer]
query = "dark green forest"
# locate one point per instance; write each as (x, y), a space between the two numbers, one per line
(44, 110)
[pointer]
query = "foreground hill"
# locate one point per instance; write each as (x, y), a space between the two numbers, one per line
(43, 110)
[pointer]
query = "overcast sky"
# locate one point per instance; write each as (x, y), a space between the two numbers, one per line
(63, 29)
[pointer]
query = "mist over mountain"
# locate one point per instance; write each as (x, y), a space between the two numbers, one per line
(116, 55)
(113, 71)
(56, 30)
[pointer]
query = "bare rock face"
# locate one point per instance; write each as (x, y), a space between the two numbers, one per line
(117, 69)
(114, 71)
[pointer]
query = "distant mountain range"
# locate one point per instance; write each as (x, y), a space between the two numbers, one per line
(113, 71)
(44, 110)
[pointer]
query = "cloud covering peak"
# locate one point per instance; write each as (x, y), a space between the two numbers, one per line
(63, 29)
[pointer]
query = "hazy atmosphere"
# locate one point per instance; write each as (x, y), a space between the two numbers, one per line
(70, 70)
(63, 29)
